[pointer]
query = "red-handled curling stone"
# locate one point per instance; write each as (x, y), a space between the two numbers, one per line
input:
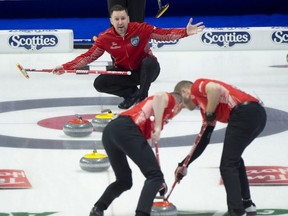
(94, 162)
(78, 127)
(163, 208)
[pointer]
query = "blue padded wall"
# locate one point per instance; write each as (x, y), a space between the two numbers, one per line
(98, 8)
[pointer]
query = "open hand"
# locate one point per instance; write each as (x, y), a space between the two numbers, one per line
(194, 29)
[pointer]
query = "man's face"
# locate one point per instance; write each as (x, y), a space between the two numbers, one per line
(187, 99)
(120, 20)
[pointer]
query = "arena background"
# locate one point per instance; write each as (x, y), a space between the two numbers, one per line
(46, 162)
(88, 18)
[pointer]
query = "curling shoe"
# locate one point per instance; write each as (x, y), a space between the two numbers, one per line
(250, 207)
(96, 212)
(128, 102)
(235, 212)
(132, 100)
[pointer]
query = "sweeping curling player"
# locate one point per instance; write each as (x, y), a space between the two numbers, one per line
(25, 71)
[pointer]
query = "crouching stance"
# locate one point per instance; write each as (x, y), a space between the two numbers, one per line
(245, 118)
(127, 135)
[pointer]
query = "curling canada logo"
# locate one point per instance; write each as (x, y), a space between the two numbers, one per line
(280, 37)
(33, 42)
(226, 39)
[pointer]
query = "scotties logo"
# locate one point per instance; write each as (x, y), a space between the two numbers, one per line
(226, 39)
(135, 41)
(158, 44)
(33, 42)
(280, 37)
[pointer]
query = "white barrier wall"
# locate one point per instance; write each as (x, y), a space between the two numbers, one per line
(216, 39)
(36, 41)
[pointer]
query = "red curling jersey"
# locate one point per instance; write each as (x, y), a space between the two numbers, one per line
(140, 114)
(229, 98)
(129, 51)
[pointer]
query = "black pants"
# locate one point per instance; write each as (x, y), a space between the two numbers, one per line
(125, 86)
(245, 124)
(122, 138)
(136, 8)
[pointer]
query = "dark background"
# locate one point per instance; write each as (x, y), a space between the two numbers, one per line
(90, 17)
(98, 8)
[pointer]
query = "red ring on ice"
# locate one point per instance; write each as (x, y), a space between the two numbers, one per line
(58, 122)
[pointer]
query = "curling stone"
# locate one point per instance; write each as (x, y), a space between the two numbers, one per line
(78, 127)
(101, 120)
(94, 162)
(163, 208)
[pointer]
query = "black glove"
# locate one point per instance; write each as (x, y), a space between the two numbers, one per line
(163, 190)
(180, 172)
(210, 117)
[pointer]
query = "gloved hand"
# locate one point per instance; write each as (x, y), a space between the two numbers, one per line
(55, 70)
(210, 117)
(163, 190)
(180, 172)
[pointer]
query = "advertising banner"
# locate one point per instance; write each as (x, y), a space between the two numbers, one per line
(36, 41)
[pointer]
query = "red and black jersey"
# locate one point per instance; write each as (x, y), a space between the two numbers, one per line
(129, 51)
(141, 113)
(230, 97)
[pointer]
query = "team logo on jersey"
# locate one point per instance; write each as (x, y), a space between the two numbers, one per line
(135, 41)
(226, 39)
(280, 37)
(33, 42)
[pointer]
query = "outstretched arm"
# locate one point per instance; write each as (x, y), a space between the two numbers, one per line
(167, 34)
